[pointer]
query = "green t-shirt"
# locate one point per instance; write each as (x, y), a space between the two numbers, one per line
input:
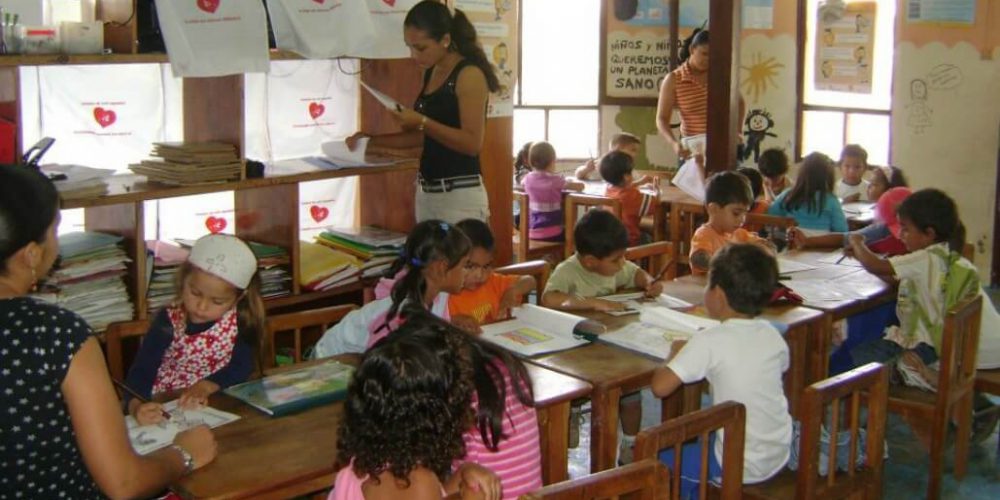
(570, 277)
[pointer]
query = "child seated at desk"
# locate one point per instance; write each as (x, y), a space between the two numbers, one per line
(881, 237)
(756, 180)
(544, 187)
(853, 163)
(727, 199)
(743, 359)
(624, 142)
(811, 200)
(884, 179)
(773, 165)
(487, 296)
(616, 169)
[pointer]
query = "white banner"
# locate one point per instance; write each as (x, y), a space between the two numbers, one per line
(387, 19)
(321, 29)
(214, 37)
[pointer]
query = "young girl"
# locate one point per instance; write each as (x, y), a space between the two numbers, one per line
(773, 165)
(881, 237)
(811, 201)
(544, 187)
(432, 265)
(407, 407)
(884, 179)
(209, 337)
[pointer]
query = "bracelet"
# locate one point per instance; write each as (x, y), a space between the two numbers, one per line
(423, 123)
(188, 459)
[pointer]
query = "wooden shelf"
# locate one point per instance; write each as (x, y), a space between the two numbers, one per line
(130, 188)
(304, 297)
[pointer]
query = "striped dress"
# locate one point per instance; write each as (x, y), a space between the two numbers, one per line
(517, 462)
(691, 98)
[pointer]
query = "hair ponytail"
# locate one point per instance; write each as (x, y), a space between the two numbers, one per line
(252, 317)
(436, 20)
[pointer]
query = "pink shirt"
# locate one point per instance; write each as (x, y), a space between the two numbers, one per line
(347, 486)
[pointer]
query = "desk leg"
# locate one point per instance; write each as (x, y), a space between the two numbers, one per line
(675, 236)
(553, 427)
(604, 428)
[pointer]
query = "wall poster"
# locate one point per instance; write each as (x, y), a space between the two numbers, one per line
(844, 50)
(496, 27)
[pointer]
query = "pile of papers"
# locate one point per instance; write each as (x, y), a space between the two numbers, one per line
(187, 163)
(323, 268)
(376, 248)
(76, 181)
(165, 259)
(90, 279)
(272, 264)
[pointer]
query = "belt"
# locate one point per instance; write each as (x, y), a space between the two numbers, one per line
(449, 183)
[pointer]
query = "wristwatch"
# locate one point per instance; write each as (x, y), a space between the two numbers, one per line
(188, 459)
(423, 123)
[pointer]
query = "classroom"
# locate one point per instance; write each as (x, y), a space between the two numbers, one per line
(500, 249)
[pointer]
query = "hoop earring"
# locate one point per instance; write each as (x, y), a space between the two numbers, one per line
(34, 281)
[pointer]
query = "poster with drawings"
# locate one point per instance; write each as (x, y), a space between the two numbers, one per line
(496, 28)
(149, 438)
(844, 49)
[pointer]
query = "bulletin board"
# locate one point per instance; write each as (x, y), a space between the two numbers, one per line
(844, 50)
(496, 28)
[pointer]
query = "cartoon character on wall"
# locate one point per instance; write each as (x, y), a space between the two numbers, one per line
(501, 6)
(500, 55)
(626, 9)
(919, 117)
(759, 124)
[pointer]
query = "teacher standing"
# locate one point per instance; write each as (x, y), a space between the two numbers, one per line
(449, 116)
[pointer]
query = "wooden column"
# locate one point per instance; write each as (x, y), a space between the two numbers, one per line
(497, 164)
(723, 85)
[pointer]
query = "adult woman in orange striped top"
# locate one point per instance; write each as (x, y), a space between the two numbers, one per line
(686, 88)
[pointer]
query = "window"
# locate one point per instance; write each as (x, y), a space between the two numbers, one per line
(556, 95)
(831, 119)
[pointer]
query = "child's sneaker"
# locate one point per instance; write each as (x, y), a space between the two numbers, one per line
(915, 373)
(625, 449)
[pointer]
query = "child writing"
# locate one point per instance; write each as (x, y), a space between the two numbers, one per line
(487, 296)
(727, 199)
(760, 203)
(432, 265)
(884, 179)
(773, 165)
(881, 237)
(544, 187)
(408, 405)
(624, 142)
(743, 359)
(208, 338)
(810, 201)
(616, 169)
(853, 163)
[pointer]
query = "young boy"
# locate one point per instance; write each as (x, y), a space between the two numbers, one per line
(853, 163)
(773, 165)
(624, 142)
(599, 268)
(743, 359)
(616, 169)
(487, 296)
(727, 200)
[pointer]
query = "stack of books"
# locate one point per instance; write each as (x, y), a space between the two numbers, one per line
(77, 182)
(186, 163)
(377, 248)
(323, 268)
(165, 259)
(89, 279)
(272, 264)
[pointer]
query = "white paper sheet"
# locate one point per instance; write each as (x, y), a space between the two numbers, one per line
(149, 438)
(386, 101)
(690, 180)
(786, 266)
(537, 330)
(821, 290)
(641, 338)
(675, 322)
(839, 259)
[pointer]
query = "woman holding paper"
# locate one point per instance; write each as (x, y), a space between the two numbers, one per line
(64, 432)
(449, 116)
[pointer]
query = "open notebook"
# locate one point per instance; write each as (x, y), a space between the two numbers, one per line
(538, 330)
(149, 438)
(656, 330)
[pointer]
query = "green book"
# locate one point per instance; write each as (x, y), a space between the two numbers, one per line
(295, 390)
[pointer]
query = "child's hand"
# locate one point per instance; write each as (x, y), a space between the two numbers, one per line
(605, 305)
(654, 289)
(197, 395)
(509, 300)
(200, 443)
(467, 324)
(480, 480)
(855, 242)
(149, 413)
(589, 167)
(796, 238)
(852, 198)
(646, 179)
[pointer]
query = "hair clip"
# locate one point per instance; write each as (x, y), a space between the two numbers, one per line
(445, 227)
(415, 262)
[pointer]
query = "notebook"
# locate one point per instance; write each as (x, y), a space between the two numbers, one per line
(149, 438)
(296, 390)
(538, 330)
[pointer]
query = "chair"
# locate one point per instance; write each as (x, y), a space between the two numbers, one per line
(821, 401)
(953, 399)
(646, 478)
(298, 322)
(573, 202)
(685, 218)
(538, 269)
(114, 337)
(526, 249)
(659, 257)
(674, 433)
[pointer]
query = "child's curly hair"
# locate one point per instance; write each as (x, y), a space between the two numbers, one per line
(409, 402)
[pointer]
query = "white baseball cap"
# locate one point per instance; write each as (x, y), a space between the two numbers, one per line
(226, 257)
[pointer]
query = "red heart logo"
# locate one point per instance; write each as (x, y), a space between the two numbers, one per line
(215, 224)
(209, 5)
(104, 117)
(247, 220)
(390, 3)
(319, 212)
(321, 2)
(316, 110)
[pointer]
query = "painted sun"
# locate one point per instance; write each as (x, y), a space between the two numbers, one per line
(760, 75)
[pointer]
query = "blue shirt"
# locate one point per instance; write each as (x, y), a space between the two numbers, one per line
(147, 362)
(829, 218)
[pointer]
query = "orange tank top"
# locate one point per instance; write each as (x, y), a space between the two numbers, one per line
(691, 97)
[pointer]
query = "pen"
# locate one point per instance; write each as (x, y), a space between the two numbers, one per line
(136, 395)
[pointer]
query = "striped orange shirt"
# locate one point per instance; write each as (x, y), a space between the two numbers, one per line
(691, 97)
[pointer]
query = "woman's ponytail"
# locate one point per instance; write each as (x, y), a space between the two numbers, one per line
(463, 38)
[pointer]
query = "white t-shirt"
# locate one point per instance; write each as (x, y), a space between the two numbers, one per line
(352, 333)
(743, 360)
(843, 190)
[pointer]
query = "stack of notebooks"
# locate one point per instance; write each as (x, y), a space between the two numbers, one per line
(323, 268)
(76, 181)
(166, 259)
(377, 248)
(90, 279)
(186, 163)
(272, 264)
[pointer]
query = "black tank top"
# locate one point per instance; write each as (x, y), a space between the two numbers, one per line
(438, 161)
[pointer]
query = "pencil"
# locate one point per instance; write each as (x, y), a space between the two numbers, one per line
(136, 395)
(841, 259)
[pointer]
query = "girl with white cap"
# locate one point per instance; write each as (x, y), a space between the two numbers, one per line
(208, 338)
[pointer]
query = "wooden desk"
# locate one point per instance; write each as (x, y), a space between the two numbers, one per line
(554, 394)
